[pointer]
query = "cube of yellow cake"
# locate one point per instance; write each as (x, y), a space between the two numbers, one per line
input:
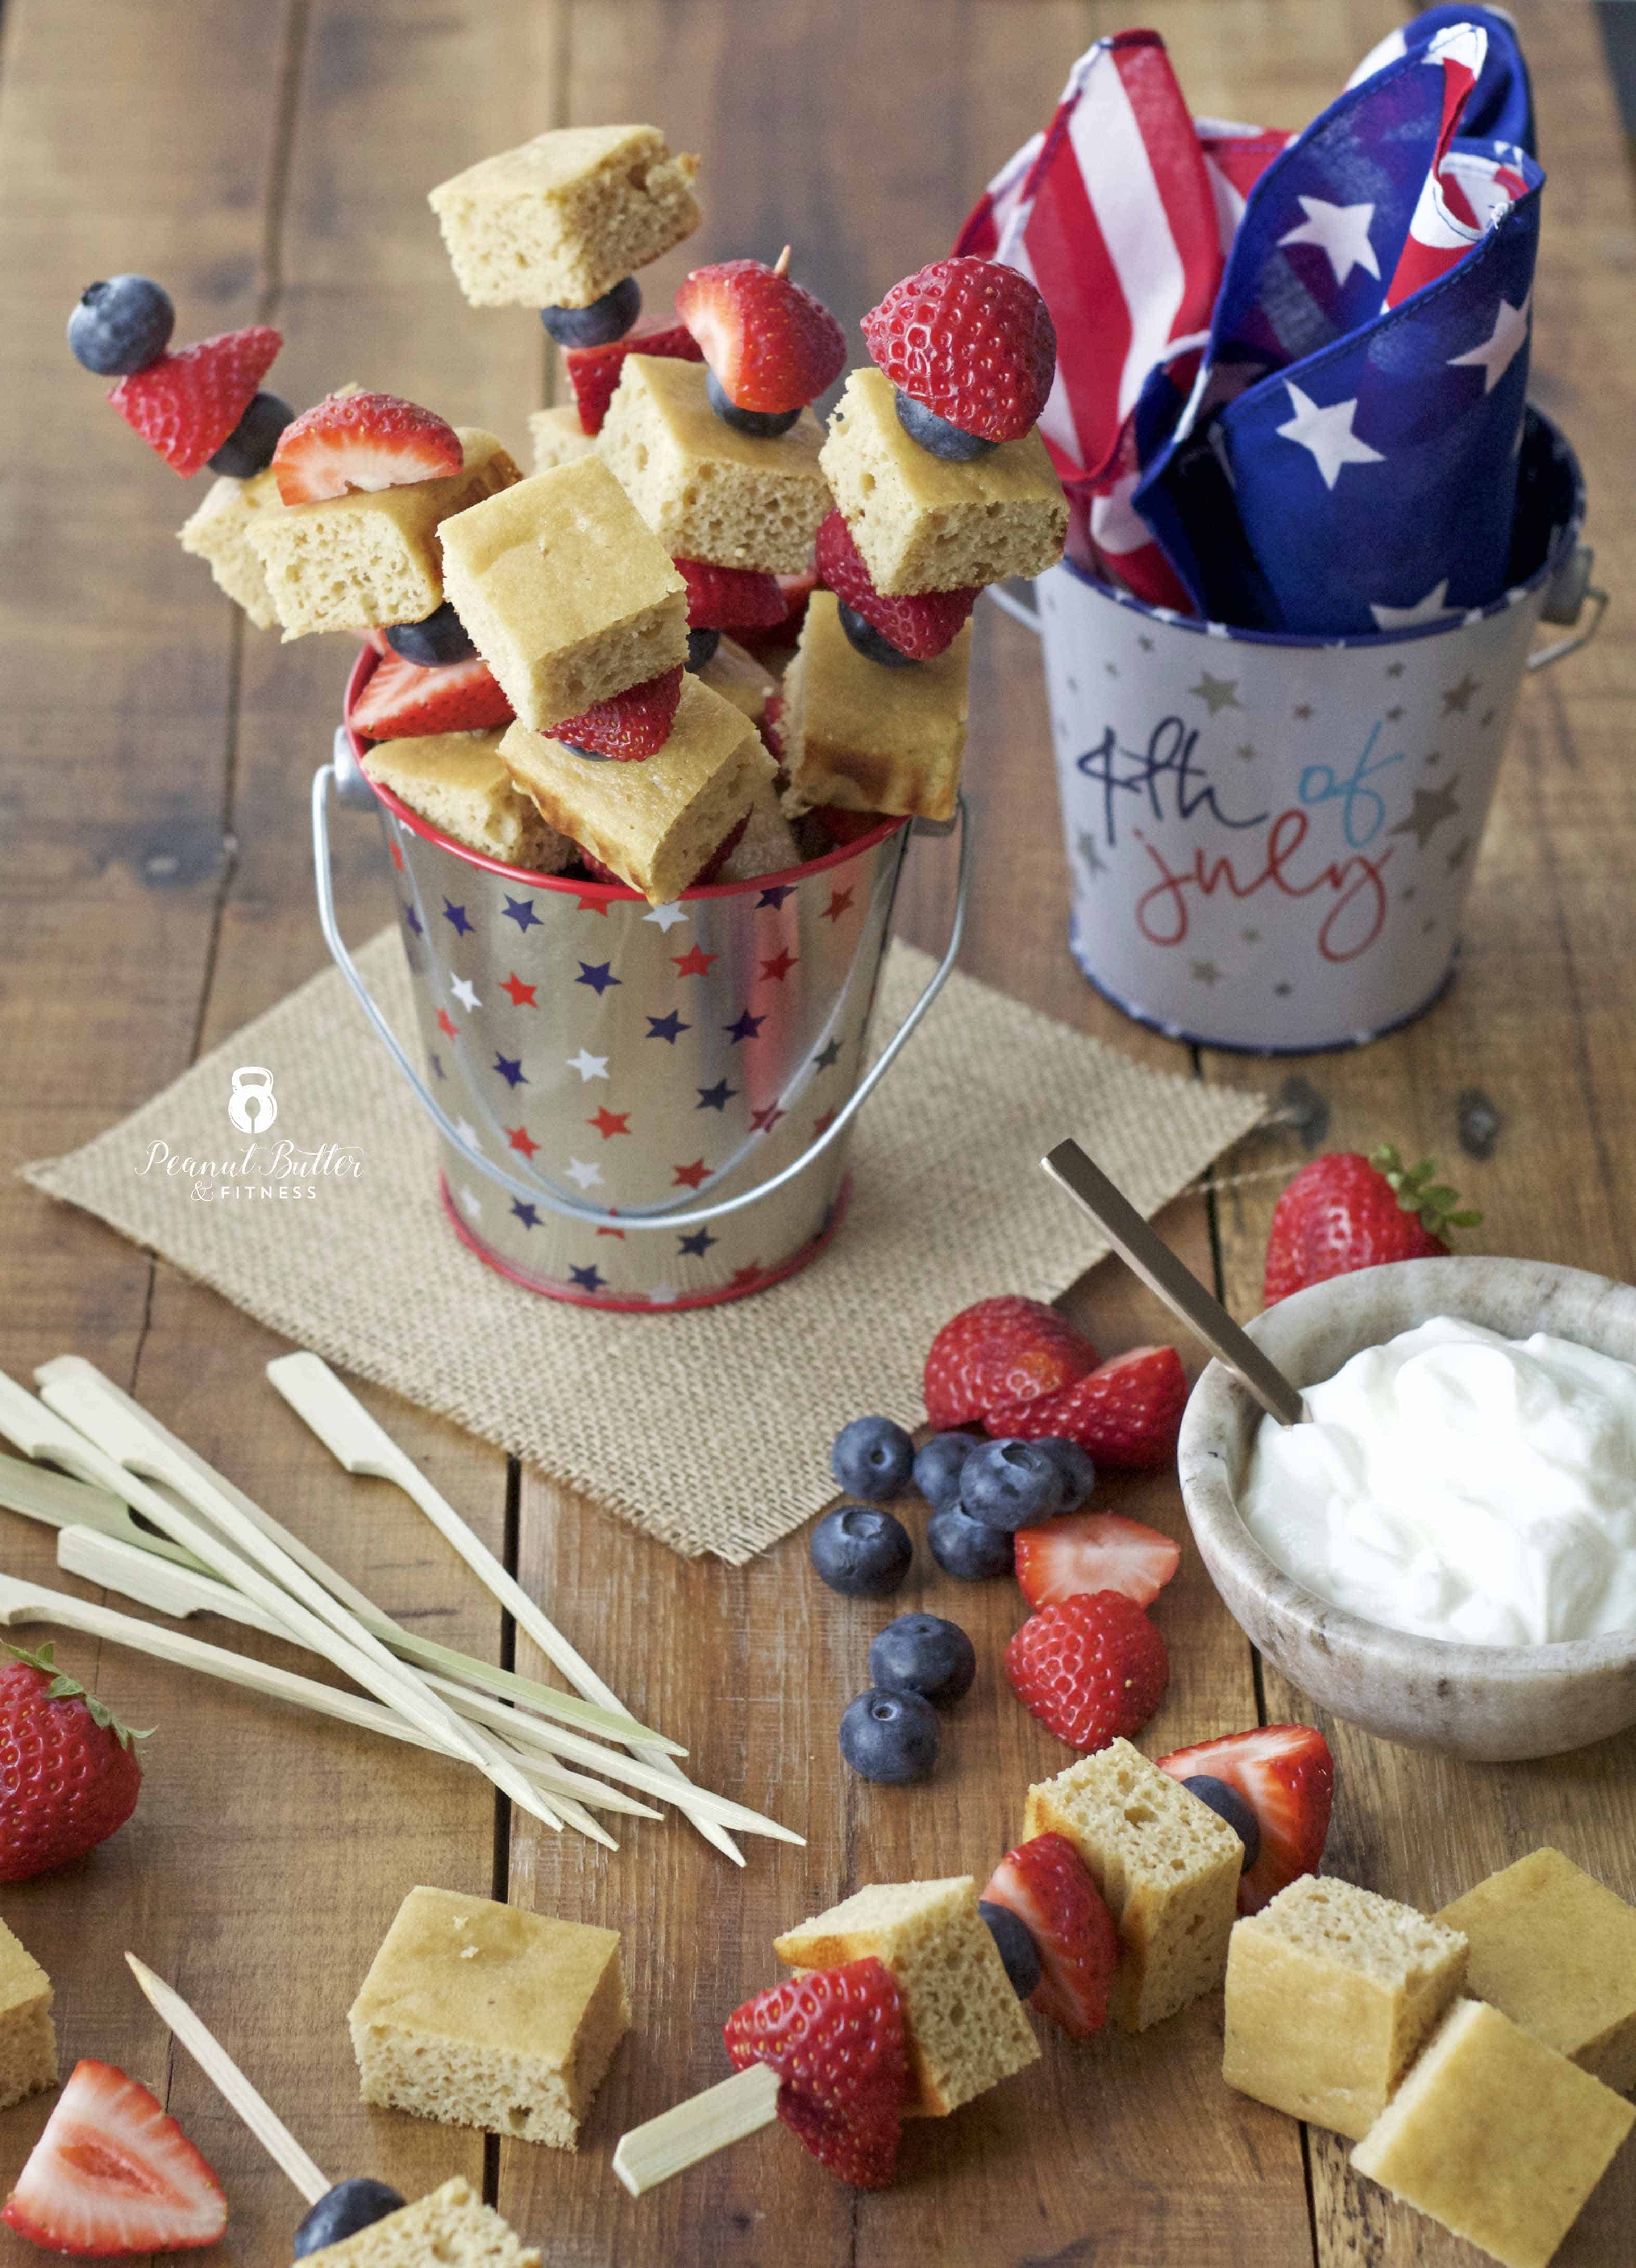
(452, 2228)
(966, 2028)
(457, 782)
(28, 2040)
(371, 556)
(655, 824)
(558, 436)
(1331, 1994)
(1167, 1869)
(926, 523)
(869, 739)
(767, 845)
(568, 597)
(216, 532)
(1555, 1950)
(707, 490)
(478, 2014)
(1496, 2136)
(740, 678)
(560, 220)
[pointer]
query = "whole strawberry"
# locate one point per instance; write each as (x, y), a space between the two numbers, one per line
(69, 1774)
(1093, 1669)
(970, 340)
(836, 2039)
(1344, 1211)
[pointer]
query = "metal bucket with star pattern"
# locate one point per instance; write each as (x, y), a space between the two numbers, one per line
(639, 1107)
(1270, 837)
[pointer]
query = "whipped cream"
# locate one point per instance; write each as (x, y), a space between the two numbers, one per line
(1461, 1486)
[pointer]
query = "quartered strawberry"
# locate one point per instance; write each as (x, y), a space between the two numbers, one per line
(771, 346)
(920, 625)
(972, 341)
(401, 702)
(1045, 1884)
(113, 2174)
(1343, 1211)
(1002, 1350)
(187, 403)
(631, 725)
(1286, 1775)
(369, 441)
(1093, 1551)
(1093, 1669)
(1127, 1412)
(836, 2039)
(69, 1774)
(729, 597)
(595, 373)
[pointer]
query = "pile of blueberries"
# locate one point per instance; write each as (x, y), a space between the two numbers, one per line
(980, 1493)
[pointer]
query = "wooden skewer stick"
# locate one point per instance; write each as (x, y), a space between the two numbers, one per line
(678, 2139)
(215, 2062)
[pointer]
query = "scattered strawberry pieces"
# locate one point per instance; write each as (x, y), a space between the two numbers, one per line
(69, 1774)
(369, 441)
(972, 341)
(595, 373)
(1345, 1210)
(1126, 1412)
(187, 403)
(797, 590)
(1045, 1884)
(114, 2173)
(770, 344)
(729, 597)
(1001, 1350)
(921, 625)
(1093, 1551)
(1286, 1775)
(631, 725)
(401, 702)
(1093, 1669)
(836, 2039)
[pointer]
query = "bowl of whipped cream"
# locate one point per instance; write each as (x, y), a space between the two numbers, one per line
(1444, 1551)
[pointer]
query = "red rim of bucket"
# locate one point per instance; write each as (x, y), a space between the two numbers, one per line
(764, 1282)
(606, 893)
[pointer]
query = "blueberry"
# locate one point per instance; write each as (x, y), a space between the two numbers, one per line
(893, 1737)
(934, 434)
(702, 648)
(1010, 1483)
(764, 424)
(343, 2210)
(873, 1458)
(937, 1468)
(969, 1548)
(599, 324)
(869, 642)
(591, 756)
(121, 325)
(441, 636)
(248, 448)
(923, 1654)
(1015, 1941)
(861, 1552)
(1228, 1804)
(1079, 1474)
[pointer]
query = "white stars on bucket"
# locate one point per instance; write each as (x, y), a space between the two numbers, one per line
(587, 1065)
(464, 992)
(666, 917)
(471, 1205)
(466, 1134)
(584, 1176)
(1326, 431)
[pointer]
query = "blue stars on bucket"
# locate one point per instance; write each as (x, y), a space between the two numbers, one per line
(521, 911)
(698, 1244)
(589, 1280)
(510, 1070)
(413, 919)
(598, 975)
(666, 1027)
(717, 1097)
(456, 917)
(776, 895)
(745, 1028)
(826, 1057)
(527, 1213)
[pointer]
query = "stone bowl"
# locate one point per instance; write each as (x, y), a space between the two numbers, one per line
(1494, 1704)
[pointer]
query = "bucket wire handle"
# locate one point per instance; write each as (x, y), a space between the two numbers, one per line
(338, 775)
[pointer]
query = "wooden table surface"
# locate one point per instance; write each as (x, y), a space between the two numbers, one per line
(268, 159)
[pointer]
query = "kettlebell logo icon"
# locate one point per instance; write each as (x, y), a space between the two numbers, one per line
(252, 1105)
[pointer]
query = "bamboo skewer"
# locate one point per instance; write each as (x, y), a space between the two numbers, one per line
(678, 2139)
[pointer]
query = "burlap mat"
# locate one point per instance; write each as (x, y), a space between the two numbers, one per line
(709, 1429)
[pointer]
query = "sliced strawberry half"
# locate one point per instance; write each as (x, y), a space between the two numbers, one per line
(921, 625)
(797, 590)
(771, 345)
(368, 441)
(1008, 1350)
(595, 373)
(187, 403)
(1286, 1775)
(836, 2039)
(1046, 1884)
(401, 702)
(114, 2174)
(1093, 1551)
(631, 727)
(729, 597)
(972, 340)
(1093, 1669)
(1127, 1412)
